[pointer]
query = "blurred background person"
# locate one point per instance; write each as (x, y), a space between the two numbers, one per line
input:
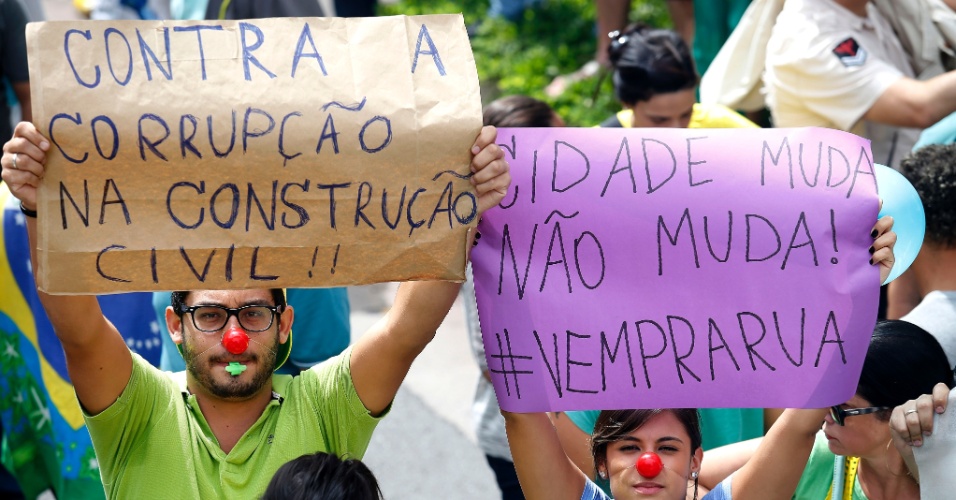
(931, 169)
(656, 82)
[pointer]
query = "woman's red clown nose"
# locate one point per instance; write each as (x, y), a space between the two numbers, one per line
(649, 465)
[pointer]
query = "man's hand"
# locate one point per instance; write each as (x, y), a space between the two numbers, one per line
(491, 173)
(22, 162)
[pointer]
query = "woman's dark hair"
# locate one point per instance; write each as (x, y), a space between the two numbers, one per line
(323, 476)
(903, 362)
(518, 111)
(649, 61)
(178, 300)
(613, 425)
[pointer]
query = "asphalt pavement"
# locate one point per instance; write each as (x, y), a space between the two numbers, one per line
(425, 447)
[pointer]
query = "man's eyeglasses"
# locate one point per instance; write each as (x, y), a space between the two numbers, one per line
(252, 318)
(839, 414)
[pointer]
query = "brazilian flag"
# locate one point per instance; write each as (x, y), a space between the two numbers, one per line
(45, 444)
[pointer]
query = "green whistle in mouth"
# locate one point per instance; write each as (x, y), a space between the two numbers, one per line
(235, 368)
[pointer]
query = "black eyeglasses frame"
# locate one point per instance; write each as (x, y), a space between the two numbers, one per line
(232, 311)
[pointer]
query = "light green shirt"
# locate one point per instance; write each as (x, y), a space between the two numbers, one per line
(154, 442)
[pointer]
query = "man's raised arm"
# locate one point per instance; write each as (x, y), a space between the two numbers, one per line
(98, 360)
(381, 359)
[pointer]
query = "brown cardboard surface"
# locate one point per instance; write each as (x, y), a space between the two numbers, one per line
(297, 152)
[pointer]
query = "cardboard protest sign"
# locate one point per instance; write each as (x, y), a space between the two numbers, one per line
(655, 268)
(263, 153)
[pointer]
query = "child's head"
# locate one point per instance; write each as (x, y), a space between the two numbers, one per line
(322, 475)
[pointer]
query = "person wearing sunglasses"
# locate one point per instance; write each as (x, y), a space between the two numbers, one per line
(852, 456)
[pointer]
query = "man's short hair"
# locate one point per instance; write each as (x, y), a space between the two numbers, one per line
(178, 300)
(931, 170)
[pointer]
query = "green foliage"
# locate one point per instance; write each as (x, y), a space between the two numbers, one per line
(556, 38)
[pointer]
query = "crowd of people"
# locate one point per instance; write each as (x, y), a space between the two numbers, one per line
(870, 67)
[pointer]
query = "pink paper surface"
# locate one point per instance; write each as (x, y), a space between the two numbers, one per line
(655, 268)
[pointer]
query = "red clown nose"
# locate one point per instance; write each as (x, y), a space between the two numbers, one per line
(649, 465)
(235, 340)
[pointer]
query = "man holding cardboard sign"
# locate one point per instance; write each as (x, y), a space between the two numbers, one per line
(233, 424)
(325, 177)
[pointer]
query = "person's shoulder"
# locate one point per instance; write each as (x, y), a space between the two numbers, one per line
(805, 30)
(932, 303)
(822, 14)
(612, 121)
(721, 492)
(333, 372)
(592, 491)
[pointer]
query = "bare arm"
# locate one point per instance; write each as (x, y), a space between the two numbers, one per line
(98, 361)
(543, 469)
(682, 14)
(767, 476)
(381, 359)
(725, 460)
(575, 442)
(913, 103)
(611, 16)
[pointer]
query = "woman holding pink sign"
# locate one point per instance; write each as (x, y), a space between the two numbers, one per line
(657, 453)
(656, 82)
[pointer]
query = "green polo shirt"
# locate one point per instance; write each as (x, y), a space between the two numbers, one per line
(154, 442)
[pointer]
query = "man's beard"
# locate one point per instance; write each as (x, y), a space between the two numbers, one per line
(201, 369)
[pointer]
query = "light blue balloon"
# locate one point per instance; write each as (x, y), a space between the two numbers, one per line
(902, 202)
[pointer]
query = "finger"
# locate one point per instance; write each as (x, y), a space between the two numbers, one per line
(490, 171)
(25, 163)
(24, 148)
(887, 239)
(27, 168)
(498, 183)
(485, 157)
(29, 132)
(940, 397)
(883, 225)
(486, 136)
(925, 413)
(898, 429)
(914, 431)
(883, 257)
(492, 196)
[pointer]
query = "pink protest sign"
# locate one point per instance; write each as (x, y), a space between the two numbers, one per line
(650, 268)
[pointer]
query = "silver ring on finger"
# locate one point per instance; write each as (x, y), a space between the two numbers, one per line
(14, 165)
(907, 412)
